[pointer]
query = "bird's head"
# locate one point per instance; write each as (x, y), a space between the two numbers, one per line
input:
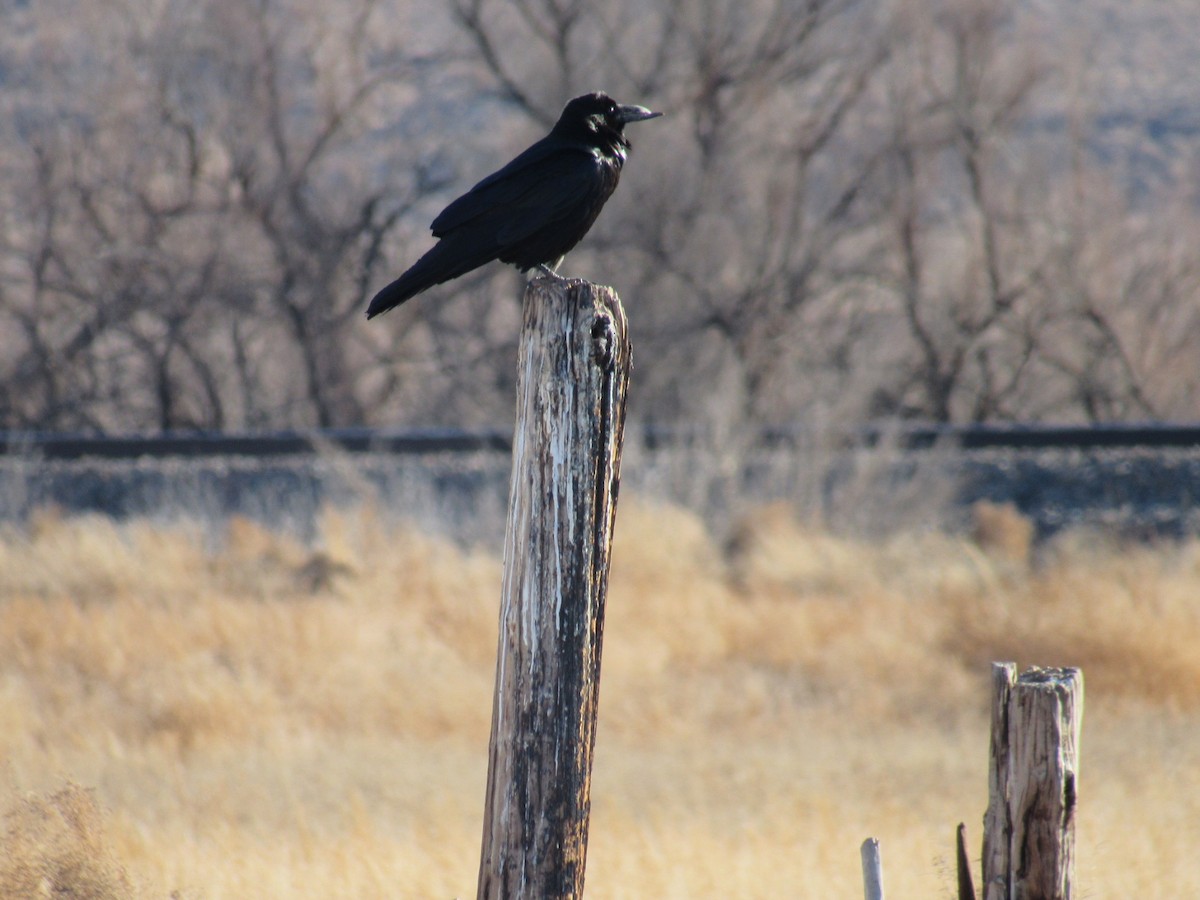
(601, 114)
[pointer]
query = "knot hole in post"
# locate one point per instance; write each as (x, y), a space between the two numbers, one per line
(604, 340)
(1069, 797)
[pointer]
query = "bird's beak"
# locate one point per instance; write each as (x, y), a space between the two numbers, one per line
(629, 114)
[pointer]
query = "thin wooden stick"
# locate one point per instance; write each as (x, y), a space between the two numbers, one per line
(966, 885)
(872, 867)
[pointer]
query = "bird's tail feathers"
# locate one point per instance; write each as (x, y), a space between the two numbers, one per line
(441, 263)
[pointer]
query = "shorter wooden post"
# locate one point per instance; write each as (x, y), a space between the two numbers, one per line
(872, 867)
(1029, 828)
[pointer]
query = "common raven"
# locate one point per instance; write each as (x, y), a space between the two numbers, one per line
(535, 209)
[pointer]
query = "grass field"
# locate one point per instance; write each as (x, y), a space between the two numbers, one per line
(246, 716)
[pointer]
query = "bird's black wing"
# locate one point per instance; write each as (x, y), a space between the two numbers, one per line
(537, 188)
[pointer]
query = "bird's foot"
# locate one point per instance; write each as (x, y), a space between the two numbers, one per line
(548, 272)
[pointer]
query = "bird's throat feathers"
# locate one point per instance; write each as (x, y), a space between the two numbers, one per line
(609, 140)
(600, 138)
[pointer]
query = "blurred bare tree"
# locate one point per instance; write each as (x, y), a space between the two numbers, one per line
(853, 210)
(740, 202)
(198, 196)
(1021, 280)
(961, 250)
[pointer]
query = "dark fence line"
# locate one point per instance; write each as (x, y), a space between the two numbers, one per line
(1136, 481)
(654, 437)
(1046, 437)
(287, 443)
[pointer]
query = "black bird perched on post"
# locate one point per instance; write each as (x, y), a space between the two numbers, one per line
(536, 208)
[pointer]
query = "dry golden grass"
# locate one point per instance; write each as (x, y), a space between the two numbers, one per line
(251, 717)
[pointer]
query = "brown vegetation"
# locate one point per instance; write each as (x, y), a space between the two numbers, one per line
(56, 846)
(1001, 530)
(245, 729)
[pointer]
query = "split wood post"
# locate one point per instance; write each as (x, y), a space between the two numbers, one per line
(997, 824)
(573, 370)
(1029, 827)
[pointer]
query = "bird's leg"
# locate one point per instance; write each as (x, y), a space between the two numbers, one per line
(548, 270)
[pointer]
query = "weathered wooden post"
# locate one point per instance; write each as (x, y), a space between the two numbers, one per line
(573, 369)
(1029, 827)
